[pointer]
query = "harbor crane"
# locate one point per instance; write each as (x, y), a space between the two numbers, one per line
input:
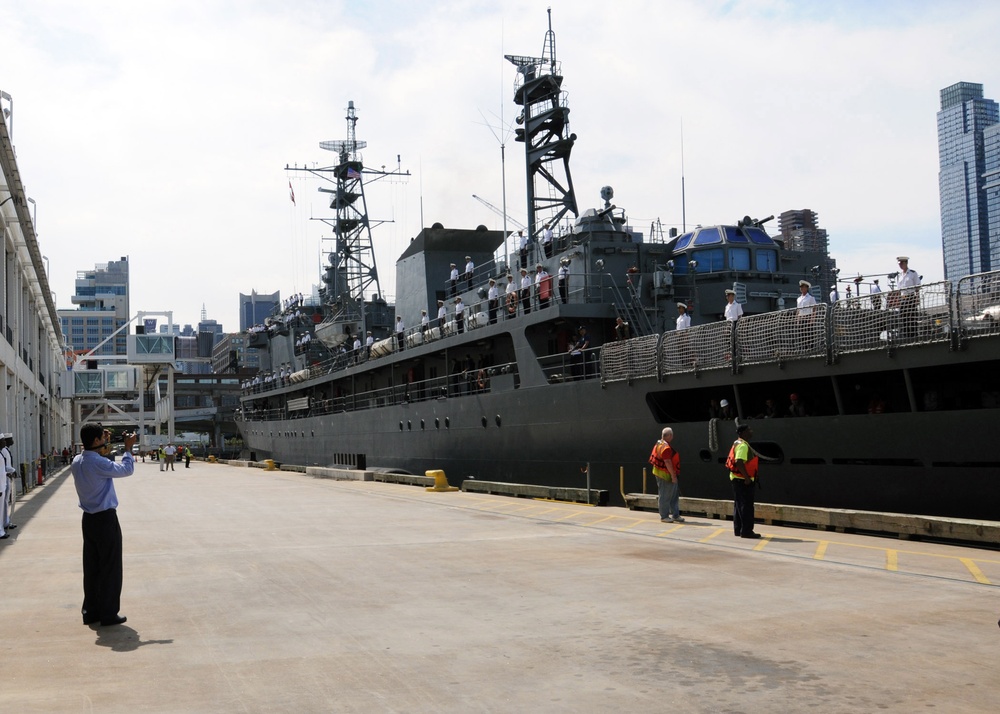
(520, 226)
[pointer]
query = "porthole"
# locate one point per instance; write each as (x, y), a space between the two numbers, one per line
(497, 419)
(447, 422)
(484, 422)
(400, 426)
(437, 423)
(409, 425)
(421, 425)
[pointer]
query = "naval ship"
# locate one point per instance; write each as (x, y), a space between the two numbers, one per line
(877, 402)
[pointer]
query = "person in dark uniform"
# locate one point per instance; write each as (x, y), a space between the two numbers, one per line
(742, 464)
(102, 535)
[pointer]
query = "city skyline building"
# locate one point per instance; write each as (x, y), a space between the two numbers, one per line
(102, 299)
(255, 307)
(963, 125)
(231, 355)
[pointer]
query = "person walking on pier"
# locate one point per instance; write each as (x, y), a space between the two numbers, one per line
(667, 467)
(102, 535)
(742, 464)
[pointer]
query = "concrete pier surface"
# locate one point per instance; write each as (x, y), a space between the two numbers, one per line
(256, 591)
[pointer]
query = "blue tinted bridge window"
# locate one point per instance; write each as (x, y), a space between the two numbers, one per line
(739, 258)
(767, 261)
(709, 261)
(708, 236)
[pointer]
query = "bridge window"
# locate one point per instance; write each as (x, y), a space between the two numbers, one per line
(739, 258)
(709, 261)
(735, 236)
(708, 236)
(767, 261)
(758, 236)
(684, 241)
(681, 264)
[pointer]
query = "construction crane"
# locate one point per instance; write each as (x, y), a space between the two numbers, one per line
(516, 224)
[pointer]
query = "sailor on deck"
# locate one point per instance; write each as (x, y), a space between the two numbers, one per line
(459, 315)
(494, 301)
(734, 310)
(547, 240)
(876, 295)
(453, 281)
(424, 322)
(470, 268)
(564, 280)
(683, 319)
(400, 332)
(510, 297)
(526, 284)
(442, 315)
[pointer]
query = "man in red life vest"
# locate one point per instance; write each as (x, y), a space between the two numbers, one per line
(742, 464)
(667, 467)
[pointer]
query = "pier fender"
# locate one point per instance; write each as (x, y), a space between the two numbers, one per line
(440, 481)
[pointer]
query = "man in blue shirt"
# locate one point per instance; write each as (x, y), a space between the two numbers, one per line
(102, 536)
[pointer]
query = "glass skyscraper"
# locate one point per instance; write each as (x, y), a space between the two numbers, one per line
(963, 125)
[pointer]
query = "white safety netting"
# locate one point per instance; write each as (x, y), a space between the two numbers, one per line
(783, 335)
(899, 317)
(629, 359)
(702, 347)
(978, 304)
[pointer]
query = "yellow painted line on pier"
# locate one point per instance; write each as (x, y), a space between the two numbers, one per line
(572, 503)
(606, 518)
(710, 536)
(763, 542)
(670, 530)
(891, 559)
(976, 572)
(635, 522)
(569, 515)
(821, 547)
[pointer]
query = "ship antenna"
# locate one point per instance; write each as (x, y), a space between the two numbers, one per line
(683, 198)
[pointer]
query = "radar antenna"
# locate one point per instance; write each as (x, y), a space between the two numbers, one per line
(545, 132)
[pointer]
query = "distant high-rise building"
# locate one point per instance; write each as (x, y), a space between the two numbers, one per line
(801, 232)
(963, 124)
(212, 326)
(230, 355)
(991, 186)
(102, 308)
(255, 307)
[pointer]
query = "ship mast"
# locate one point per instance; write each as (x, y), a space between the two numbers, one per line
(545, 132)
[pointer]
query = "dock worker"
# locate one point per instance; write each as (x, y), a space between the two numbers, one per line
(453, 281)
(666, 468)
(683, 319)
(493, 296)
(742, 464)
(526, 283)
(734, 310)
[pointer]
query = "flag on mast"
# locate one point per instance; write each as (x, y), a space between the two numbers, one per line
(291, 192)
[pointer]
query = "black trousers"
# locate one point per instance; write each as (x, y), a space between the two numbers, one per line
(102, 565)
(743, 496)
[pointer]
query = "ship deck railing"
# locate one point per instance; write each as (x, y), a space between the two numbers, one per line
(567, 367)
(468, 382)
(910, 317)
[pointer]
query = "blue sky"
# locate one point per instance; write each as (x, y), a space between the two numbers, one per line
(161, 130)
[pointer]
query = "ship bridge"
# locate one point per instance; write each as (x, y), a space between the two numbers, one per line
(716, 248)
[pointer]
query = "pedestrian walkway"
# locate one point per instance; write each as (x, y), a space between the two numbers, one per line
(255, 591)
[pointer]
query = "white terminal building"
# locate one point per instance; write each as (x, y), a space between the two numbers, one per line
(32, 352)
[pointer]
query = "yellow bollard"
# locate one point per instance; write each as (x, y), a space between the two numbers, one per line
(212, 459)
(440, 481)
(270, 464)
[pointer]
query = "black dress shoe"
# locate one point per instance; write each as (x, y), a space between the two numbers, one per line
(5, 535)
(116, 620)
(750, 535)
(11, 525)
(91, 621)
